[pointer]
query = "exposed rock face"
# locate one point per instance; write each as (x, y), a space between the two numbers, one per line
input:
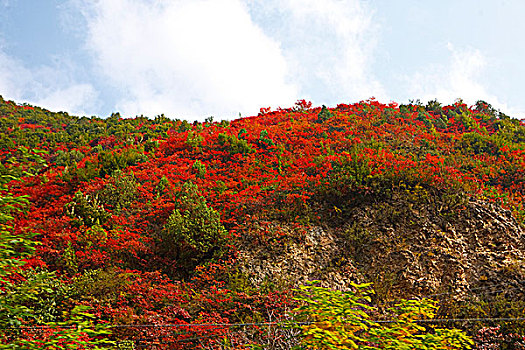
(405, 248)
(318, 256)
(478, 245)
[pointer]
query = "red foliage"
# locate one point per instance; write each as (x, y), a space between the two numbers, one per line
(348, 151)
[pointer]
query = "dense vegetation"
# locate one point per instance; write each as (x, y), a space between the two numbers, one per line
(125, 225)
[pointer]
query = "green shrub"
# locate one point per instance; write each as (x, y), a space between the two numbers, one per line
(193, 232)
(234, 145)
(331, 319)
(120, 192)
(111, 161)
(162, 186)
(101, 284)
(348, 177)
(41, 293)
(86, 210)
(434, 106)
(6, 143)
(184, 126)
(68, 158)
(324, 115)
(194, 140)
(264, 140)
(472, 142)
(199, 169)
(89, 171)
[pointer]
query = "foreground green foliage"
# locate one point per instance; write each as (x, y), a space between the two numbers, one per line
(28, 309)
(342, 320)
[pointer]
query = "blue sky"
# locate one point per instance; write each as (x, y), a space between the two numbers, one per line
(192, 59)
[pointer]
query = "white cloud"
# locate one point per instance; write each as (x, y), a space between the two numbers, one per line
(73, 99)
(186, 58)
(195, 58)
(461, 77)
(50, 87)
(329, 45)
(12, 74)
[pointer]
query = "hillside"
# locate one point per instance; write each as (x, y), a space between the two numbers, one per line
(160, 221)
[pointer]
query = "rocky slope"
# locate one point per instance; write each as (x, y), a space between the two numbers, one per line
(407, 248)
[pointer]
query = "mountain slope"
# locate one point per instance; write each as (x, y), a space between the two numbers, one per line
(160, 220)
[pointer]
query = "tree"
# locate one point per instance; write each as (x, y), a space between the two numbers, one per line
(193, 232)
(331, 319)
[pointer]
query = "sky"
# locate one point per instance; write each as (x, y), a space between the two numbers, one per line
(192, 59)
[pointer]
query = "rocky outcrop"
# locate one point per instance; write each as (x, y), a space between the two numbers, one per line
(474, 246)
(318, 255)
(406, 248)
